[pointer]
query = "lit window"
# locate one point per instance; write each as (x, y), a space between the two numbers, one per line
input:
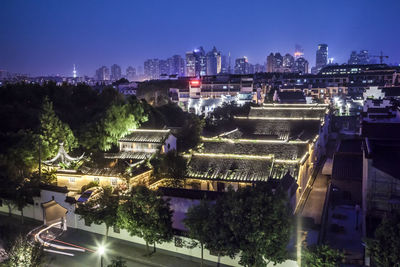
(114, 181)
(72, 179)
(96, 179)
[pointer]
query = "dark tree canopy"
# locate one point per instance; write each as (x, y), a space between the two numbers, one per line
(384, 248)
(321, 256)
(144, 213)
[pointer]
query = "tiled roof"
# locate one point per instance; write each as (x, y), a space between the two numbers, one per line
(385, 156)
(128, 155)
(146, 136)
(279, 129)
(229, 169)
(347, 166)
(287, 112)
(281, 150)
(238, 169)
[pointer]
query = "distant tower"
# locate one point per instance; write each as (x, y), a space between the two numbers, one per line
(74, 73)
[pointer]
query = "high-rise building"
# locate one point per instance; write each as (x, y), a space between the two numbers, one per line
(275, 63)
(115, 72)
(321, 58)
(301, 65)
(190, 64)
(288, 62)
(363, 57)
(176, 65)
(213, 59)
(152, 69)
(241, 66)
(360, 58)
(353, 60)
(201, 61)
(103, 74)
(164, 67)
(224, 64)
(130, 73)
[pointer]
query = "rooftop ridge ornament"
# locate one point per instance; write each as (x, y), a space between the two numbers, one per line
(62, 157)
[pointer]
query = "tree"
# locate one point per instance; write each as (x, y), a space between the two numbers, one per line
(101, 209)
(146, 214)
(171, 165)
(53, 131)
(190, 135)
(321, 256)
(196, 222)
(384, 248)
(117, 262)
(115, 122)
(22, 253)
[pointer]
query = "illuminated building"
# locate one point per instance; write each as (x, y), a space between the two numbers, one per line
(115, 72)
(301, 65)
(241, 66)
(321, 58)
(130, 73)
(152, 69)
(190, 64)
(103, 74)
(213, 62)
(273, 143)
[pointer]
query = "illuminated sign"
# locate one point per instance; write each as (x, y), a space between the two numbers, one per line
(195, 83)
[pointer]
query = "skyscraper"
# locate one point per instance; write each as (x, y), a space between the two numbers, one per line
(201, 62)
(130, 73)
(321, 58)
(363, 57)
(353, 60)
(164, 67)
(288, 62)
(301, 65)
(241, 66)
(152, 69)
(213, 62)
(176, 65)
(271, 63)
(103, 74)
(190, 64)
(274, 63)
(115, 72)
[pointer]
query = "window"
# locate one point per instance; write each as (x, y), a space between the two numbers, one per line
(169, 146)
(72, 179)
(96, 179)
(116, 229)
(114, 181)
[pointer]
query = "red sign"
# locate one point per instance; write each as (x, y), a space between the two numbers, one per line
(195, 83)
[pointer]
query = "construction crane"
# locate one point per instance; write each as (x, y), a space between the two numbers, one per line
(381, 56)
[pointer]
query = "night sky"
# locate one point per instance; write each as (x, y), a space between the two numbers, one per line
(43, 37)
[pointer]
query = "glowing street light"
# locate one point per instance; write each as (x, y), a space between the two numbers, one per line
(101, 250)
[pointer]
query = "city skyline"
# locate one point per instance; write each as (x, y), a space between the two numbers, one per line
(48, 38)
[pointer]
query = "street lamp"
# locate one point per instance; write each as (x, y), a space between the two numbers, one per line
(101, 251)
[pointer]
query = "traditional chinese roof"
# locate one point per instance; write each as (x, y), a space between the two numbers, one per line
(301, 112)
(290, 150)
(62, 157)
(129, 155)
(237, 168)
(257, 128)
(146, 136)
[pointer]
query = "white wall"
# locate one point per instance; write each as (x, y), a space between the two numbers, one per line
(74, 221)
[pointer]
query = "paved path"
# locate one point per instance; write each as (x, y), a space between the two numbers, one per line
(315, 202)
(131, 252)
